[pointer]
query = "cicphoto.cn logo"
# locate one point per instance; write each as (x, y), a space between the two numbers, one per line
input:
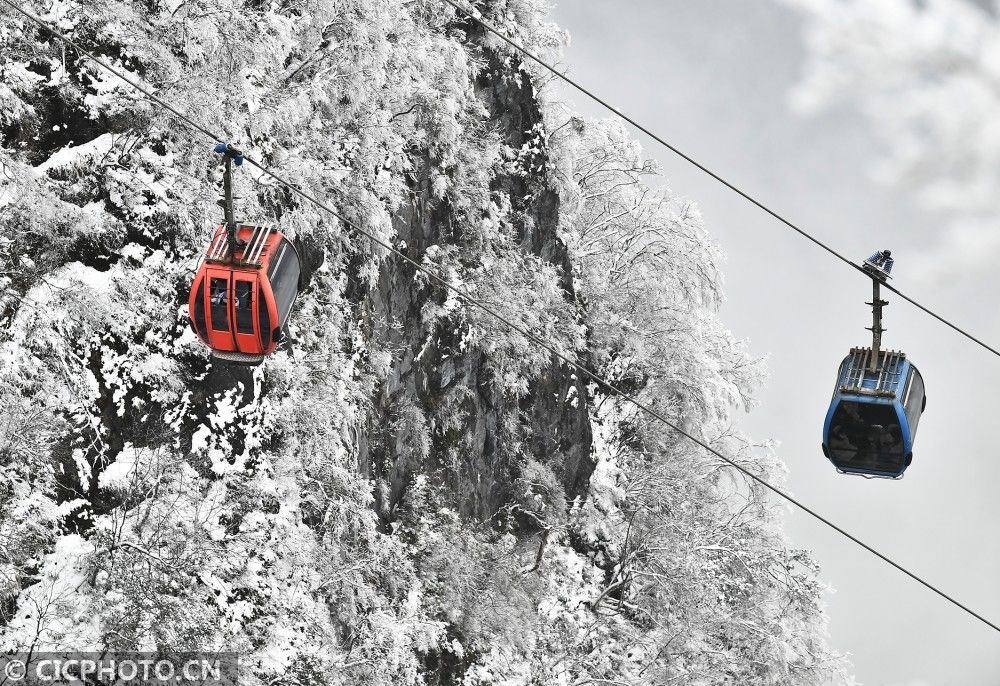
(30, 669)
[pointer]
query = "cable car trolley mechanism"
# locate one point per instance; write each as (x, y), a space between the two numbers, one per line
(877, 400)
(245, 288)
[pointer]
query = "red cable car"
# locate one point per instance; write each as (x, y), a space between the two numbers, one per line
(240, 302)
(244, 290)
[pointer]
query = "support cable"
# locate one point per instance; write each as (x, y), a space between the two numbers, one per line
(514, 326)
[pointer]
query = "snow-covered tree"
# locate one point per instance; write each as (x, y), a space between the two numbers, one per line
(407, 492)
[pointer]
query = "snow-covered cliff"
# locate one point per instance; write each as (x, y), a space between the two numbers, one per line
(407, 492)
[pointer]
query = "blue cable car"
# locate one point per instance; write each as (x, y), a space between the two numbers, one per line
(872, 421)
(877, 402)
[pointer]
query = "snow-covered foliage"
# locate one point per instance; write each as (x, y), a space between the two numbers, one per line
(925, 73)
(407, 492)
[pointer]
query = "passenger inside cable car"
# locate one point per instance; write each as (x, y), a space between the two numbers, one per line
(866, 436)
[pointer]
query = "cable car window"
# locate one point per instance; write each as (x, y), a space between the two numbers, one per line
(244, 306)
(220, 304)
(264, 319)
(841, 375)
(866, 436)
(914, 400)
(284, 277)
(199, 311)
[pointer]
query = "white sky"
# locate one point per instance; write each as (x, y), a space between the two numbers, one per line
(713, 77)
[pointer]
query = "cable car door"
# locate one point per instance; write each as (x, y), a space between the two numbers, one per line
(218, 305)
(245, 306)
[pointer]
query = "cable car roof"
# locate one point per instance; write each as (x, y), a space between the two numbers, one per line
(856, 376)
(249, 256)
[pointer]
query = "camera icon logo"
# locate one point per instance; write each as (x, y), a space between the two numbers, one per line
(15, 670)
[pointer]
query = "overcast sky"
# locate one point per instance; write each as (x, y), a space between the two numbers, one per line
(713, 77)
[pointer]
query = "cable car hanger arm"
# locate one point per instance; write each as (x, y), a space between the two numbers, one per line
(232, 156)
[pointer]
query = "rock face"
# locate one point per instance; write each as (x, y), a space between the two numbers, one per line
(430, 371)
